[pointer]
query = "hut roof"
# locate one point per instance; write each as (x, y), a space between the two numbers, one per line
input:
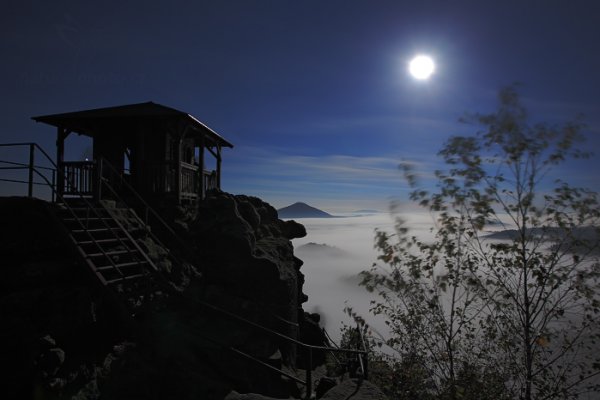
(87, 122)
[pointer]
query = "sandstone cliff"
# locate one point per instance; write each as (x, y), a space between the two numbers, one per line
(67, 337)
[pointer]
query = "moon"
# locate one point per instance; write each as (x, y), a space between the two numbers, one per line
(421, 67)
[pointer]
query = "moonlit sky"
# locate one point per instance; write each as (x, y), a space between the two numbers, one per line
(314, 94)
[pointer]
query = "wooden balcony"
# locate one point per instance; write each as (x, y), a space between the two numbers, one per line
(80, 177)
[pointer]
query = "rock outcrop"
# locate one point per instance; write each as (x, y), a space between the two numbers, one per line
(67, 337)
(245, 253)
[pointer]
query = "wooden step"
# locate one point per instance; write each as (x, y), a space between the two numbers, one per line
(125, 278)
(113, 230)
(95, 230)
(100, 241)
(122, 265)
(91, 212)
(114, 256)
(90, 224)
(91, 219)
(112, 253)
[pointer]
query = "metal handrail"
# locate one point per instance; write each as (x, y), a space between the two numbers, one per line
(89, 206)
(23, 166)
(183, 246)
(144, 224)
(147, 208)
(309, 348)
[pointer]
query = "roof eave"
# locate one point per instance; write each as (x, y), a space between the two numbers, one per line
(218, 137)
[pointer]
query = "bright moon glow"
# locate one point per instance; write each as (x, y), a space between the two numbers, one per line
(421, 67)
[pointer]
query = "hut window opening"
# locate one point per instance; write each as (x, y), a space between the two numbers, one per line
(127, 161)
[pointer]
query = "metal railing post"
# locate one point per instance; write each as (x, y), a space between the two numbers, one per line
(31, 161)
(53, 188)
(98, 180)
(309, 374)
(363, 357)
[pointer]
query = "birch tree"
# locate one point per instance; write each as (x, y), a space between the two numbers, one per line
(516, 312)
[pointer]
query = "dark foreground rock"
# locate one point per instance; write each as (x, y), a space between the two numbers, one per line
(351, 388)
(66, 336)
(348, 389)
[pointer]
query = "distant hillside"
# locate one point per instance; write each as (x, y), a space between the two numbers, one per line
(584, 233)
(367, 212)
(302, 210)
(318, 249)
(507, 234)
(585, 239)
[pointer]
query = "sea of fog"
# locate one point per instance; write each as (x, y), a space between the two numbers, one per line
(331, 280)
(332, 272)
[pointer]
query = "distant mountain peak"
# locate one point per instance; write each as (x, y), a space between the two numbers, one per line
(367, 211)
(302, 210)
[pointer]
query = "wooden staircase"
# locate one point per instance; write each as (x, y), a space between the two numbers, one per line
(110, 250)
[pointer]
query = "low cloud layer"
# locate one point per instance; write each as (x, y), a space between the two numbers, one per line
(332, 276)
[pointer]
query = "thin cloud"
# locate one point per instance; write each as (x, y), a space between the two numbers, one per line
(271, 173)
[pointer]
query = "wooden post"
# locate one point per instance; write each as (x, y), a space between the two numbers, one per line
(53, 194)
(60, 158)
(201, 168)
(98, 179)
(31, 166)
(219, 167)
(179, 139)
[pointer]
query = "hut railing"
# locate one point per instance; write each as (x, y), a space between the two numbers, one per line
(77, 177)
(209, 181)
(190, 182)
(162, 178)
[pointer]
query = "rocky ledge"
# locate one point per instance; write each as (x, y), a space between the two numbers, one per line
(66, 336)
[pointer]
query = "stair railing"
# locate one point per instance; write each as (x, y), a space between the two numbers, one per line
(361, 354)
(148, 210)
(30, 166)
(56, 195)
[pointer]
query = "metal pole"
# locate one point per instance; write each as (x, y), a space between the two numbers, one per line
(201, 168)
(98, 177)
(31, 160)
(309, 374)
(61, 134)
(53, 185)
(363, 357)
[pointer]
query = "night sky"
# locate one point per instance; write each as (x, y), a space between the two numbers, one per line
(315, 95)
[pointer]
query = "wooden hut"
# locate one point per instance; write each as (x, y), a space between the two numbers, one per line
(157, 150)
